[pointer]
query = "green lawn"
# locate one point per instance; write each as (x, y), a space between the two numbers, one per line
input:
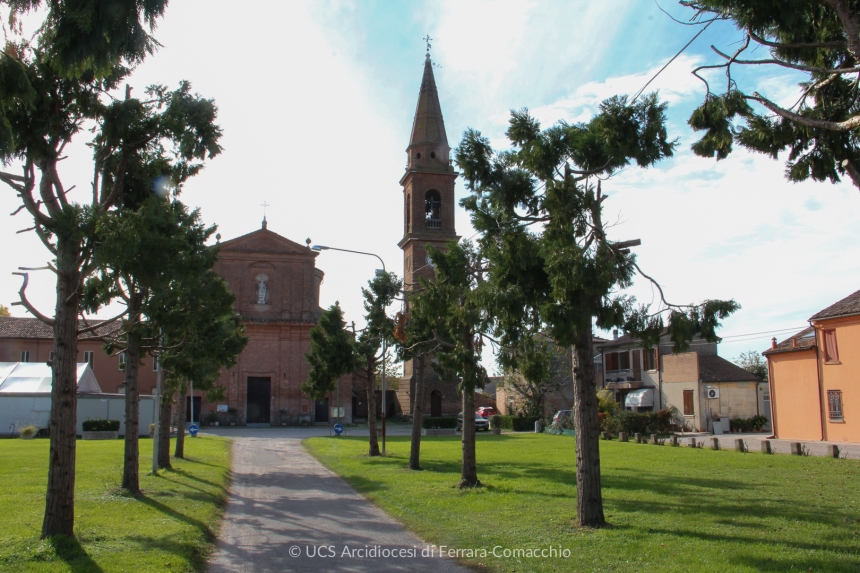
(669, 509)
(170, 528)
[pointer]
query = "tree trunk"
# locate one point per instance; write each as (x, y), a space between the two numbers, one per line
(371, 409)
(164, 432)
(131, 462)
(589, 499)
(60, 498)
(179, 451)
(469, 475)
(417, 414)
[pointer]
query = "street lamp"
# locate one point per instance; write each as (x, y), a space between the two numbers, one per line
(319, 248)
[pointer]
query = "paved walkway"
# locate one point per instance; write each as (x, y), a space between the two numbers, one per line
(288, 513)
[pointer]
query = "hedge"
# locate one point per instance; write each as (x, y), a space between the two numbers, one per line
(101, 425)
(439, 423)
(515, 423)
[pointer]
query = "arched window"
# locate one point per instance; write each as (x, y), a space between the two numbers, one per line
(408, 210)
(432, 210)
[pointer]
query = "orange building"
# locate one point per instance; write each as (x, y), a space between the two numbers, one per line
(815, 377)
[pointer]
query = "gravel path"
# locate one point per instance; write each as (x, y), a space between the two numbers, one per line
(289, 513)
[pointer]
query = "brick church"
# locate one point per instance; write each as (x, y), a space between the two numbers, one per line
(277, 288)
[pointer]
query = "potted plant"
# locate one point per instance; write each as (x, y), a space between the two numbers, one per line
(496, 424)
(28, 432)
(284, 417)
(232, 416)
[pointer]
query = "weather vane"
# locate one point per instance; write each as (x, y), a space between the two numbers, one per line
(427, 39)
(264, 205)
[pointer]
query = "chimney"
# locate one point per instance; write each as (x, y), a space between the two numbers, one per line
(773, 343)
(614, 334)
(794, 342)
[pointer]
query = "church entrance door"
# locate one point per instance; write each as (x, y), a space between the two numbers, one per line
(435, 403)
(321, 411)
(259, 400)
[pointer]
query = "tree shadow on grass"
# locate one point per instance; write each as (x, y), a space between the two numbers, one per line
(169, 511)
(70, 550)
(832, 564)
(191, 476)
(196, 554)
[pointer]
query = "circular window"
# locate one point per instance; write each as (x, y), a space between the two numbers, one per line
(433, 154)
(417, 156)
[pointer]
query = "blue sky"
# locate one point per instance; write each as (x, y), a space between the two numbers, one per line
(316, 101)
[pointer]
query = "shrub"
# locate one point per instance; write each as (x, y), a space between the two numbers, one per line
(28, 432)
(609, 423)
(440, 422)
(505, 422)
(523, 424)
(634, 422)
(101, 425)
(758, 422)
(606, 403)
(496, 421)
(661, 420)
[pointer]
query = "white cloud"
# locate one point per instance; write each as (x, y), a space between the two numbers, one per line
(674, 84)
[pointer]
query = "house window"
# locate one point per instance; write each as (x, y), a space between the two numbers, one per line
(624, 361)
(611, 361)
(88, 357)
(122, 360)
(834, 405)
(25, 356)
(689, 404)
(831, 352)
(649, 359)
(432, 210)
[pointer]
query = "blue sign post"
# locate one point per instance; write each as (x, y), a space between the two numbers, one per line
(193, 429)
(338, 429)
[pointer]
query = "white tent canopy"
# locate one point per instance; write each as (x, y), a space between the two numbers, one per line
(35, 378)
(642, 398)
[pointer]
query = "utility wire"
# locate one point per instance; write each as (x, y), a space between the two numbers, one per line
(681, 51)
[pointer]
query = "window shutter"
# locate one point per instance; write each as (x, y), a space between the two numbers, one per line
(831, 352)
(688, 403)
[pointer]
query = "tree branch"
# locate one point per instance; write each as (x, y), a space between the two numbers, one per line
(26, 303)
(850, 26)
(847, 125)
(101, 324)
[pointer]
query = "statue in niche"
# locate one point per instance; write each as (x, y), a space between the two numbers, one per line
(262, 290)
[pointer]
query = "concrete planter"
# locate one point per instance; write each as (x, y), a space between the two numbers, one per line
(497, 431)
(439, 432)
(100, 435)
(569, 432)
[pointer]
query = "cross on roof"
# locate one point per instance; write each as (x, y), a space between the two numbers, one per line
(264, 205)
(427, 39)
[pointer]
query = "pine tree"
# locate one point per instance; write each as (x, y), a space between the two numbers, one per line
(453, 307)
(551, 268)
(49, 90)
(820, 131)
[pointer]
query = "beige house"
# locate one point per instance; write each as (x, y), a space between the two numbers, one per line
(709, 390)
(703, 386)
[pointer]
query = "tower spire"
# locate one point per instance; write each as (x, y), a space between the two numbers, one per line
(428, 145)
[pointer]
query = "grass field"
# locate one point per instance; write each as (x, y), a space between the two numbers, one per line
(170, 528)
(669, 509)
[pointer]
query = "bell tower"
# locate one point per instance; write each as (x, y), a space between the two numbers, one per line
(428, 185)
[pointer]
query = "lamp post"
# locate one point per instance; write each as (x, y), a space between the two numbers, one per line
(319, 248)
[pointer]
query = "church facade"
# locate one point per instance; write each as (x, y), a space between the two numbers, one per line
(277, 289)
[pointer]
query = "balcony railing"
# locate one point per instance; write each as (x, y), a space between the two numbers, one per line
(433, 223)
